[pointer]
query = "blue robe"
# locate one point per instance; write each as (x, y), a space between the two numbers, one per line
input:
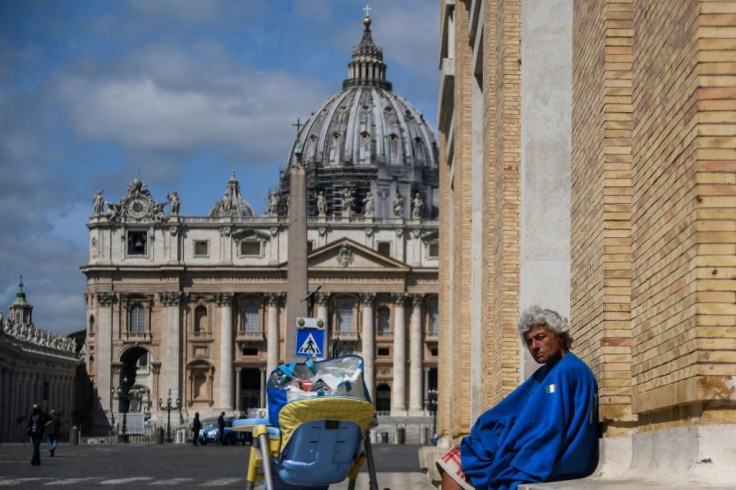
(545, 430)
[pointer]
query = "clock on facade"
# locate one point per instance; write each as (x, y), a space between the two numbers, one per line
(137, 207)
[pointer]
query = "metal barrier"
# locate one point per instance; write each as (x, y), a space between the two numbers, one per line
(402, 433)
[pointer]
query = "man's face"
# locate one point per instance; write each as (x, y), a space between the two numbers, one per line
(544, 345)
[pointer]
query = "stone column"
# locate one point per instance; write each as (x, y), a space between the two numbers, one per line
(103, 353)
(238, 372)
(368, 342)
(272, 331)
(322, 300)
(415, 357)
(398, 389)
(171, 359)
(225, 301)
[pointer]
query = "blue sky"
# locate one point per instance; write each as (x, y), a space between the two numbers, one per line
(177, 92)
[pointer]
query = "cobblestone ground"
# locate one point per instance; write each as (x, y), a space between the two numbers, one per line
(185, 466)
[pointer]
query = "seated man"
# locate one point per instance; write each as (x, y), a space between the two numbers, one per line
(545, 430)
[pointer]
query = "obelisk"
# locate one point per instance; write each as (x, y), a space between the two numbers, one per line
(296, 289)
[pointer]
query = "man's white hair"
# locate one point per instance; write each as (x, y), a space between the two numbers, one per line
(535, 315)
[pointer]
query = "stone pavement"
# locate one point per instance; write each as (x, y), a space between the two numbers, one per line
(393, 481)
(180, 465)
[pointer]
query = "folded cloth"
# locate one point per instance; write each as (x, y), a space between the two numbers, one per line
(450, 464)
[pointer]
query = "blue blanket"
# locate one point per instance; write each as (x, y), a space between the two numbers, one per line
(545, 430)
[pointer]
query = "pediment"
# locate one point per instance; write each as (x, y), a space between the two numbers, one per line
(347, 254)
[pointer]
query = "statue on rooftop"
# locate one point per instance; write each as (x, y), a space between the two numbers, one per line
(98, 203)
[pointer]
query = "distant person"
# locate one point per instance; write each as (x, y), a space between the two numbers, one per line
(196, 427)
(36, 423)
(545, 430)
(221, 428)
(52, 429)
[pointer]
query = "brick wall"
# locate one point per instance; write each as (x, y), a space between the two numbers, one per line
(601, 267)
(654, 208)
(504, 190)
(684, 209)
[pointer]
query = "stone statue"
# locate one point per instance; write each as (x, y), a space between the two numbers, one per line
(227, 202)
(137, 187)
(158, 211)
(416, 212)
(399, 206)
(368, 205)
(347, 200)
(321, 205)
(273, 204)
(174, 203)
(98, 203)
(114, 211)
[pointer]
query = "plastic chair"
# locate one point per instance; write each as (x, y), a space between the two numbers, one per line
(319, 441)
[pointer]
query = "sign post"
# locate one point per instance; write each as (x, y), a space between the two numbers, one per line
(310, 337)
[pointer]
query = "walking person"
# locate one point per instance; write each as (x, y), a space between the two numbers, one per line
(196, 427)
(52, 429)
(221, 428)
(36, 423)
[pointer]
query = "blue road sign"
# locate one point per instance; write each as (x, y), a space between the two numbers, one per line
(310, 338)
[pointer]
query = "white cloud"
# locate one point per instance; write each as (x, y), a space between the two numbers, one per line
(140, 114)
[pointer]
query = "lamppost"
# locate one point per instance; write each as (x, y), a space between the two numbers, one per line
(169, 407)
(123, 395)
(431, 405)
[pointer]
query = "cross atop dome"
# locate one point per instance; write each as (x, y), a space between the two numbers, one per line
(367, 67)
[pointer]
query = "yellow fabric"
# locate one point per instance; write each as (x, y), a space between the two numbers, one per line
(295, 413)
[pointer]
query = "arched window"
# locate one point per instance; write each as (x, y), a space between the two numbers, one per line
(137, 322)
(383, 398)
(200, 320)
(345, 317)
(251, 318)
(384, 321)
(91, 327)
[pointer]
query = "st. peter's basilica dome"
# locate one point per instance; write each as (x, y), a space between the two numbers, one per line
(366, 139)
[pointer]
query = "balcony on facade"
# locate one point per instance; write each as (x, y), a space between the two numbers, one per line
(200, 335)
(243, 335)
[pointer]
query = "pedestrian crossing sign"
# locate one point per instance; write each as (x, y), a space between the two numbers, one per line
(310, 338)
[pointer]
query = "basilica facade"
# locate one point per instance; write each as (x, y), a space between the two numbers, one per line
(197, 304)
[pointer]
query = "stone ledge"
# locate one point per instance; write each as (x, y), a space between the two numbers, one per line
(693, 457)
(427, 457)
(697, 457)
(593, 483)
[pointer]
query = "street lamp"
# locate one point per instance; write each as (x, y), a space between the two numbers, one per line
(123, 395)
(431, 405)
(169, 408)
